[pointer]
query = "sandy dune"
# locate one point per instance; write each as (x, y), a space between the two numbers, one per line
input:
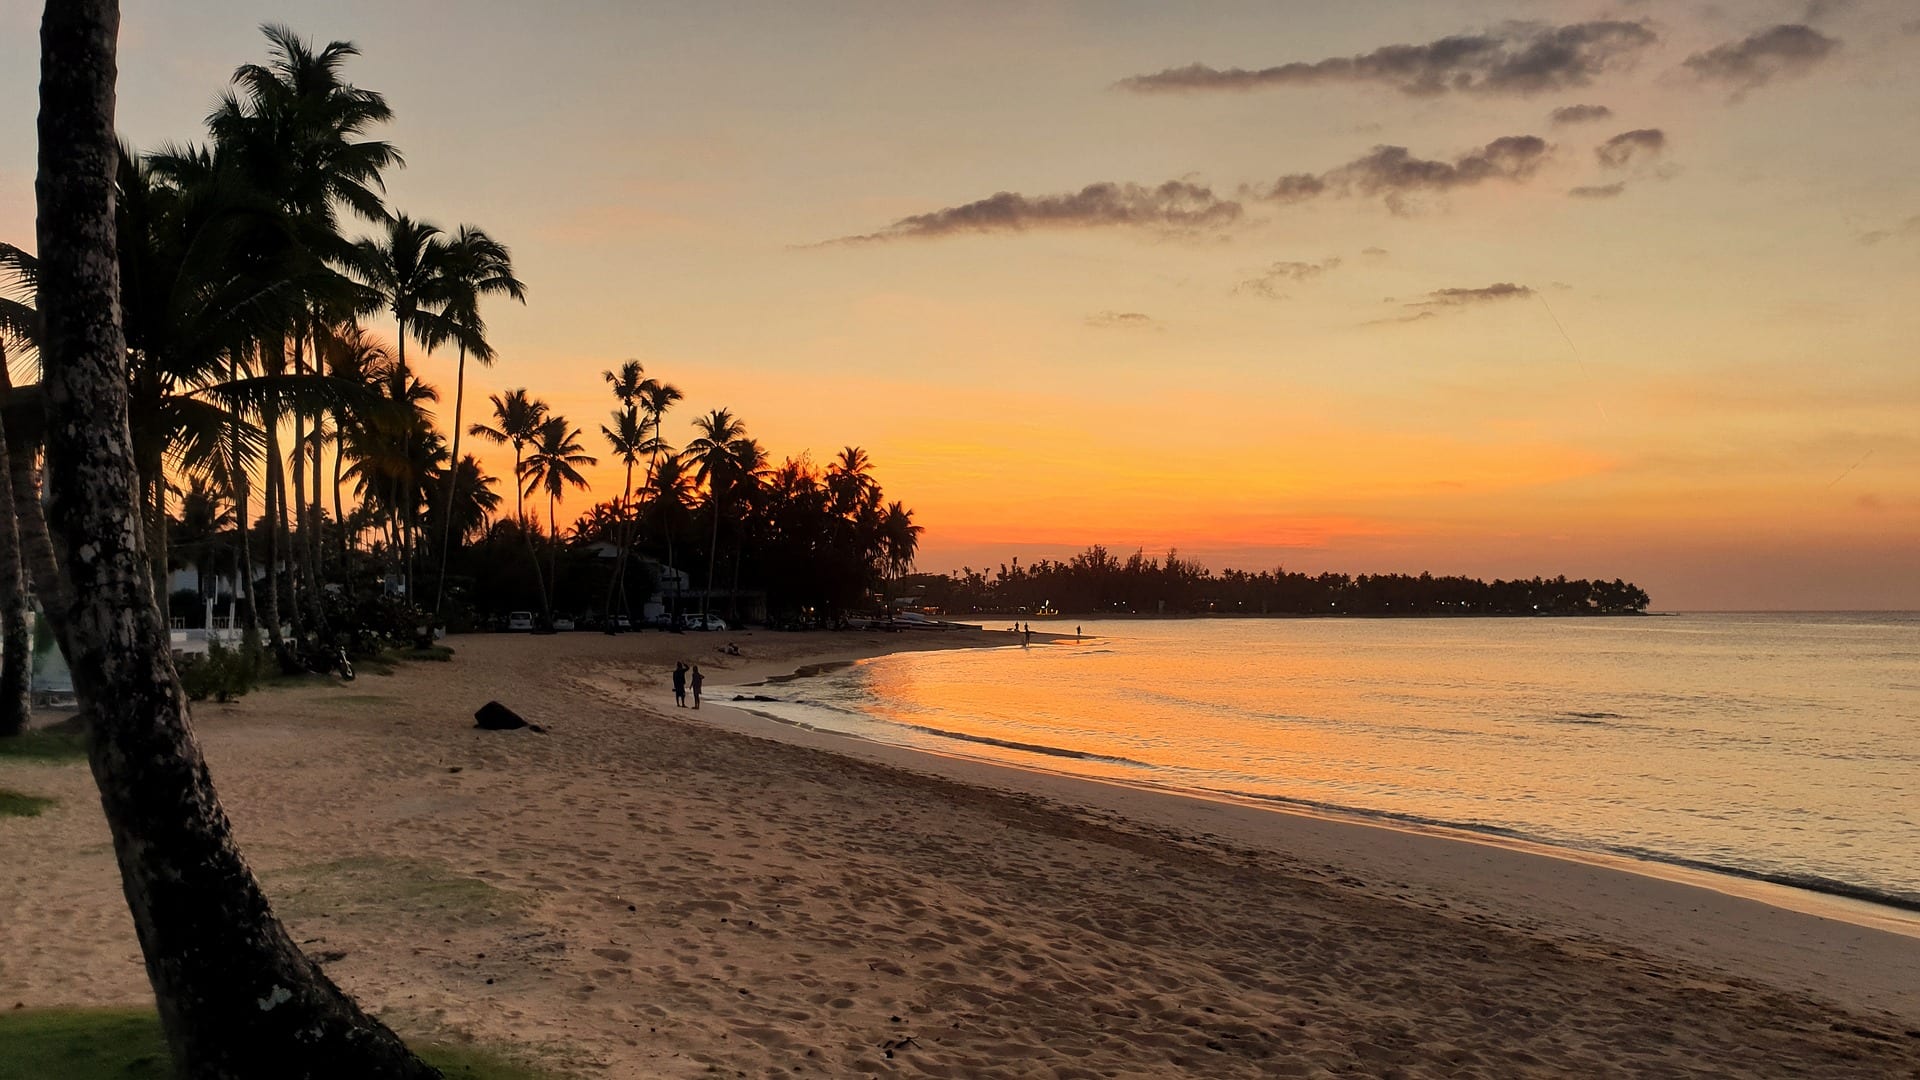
(641, 894)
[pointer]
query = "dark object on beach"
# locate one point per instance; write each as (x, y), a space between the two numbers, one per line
(494, 716)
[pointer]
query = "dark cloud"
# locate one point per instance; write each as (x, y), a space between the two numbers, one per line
(1441, 301)
(1176, 206)
(1521, 58)
(1394, 172)
(1453, 298)
(1783, 51)
(1579, 114)
(1628, 147)
(1909, 227)
(1599, 191)
(1122, 320)
(1268, 282)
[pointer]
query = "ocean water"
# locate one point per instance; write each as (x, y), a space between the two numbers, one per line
(1784, 747)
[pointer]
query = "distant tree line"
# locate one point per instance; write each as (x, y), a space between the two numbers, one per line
(1095, 582)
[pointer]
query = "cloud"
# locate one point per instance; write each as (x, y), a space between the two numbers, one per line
(1453, 298)
(1394, 172)
(1122, 320)
(1175, 206)
(1818, 10)
(1579, 114)
(1628, 147)
(1520, 58)
(1268, 282)
(1909, 227)
(1599, 191)
(1374, 252)
(1784, 51)
(1440, 301)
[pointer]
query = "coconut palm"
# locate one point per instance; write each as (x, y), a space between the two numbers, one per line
(516, 421)
(476, 266)
(628, 440)
(714, 456)
(207, 931)
(850, 481)
(293, 127)
(553, 466)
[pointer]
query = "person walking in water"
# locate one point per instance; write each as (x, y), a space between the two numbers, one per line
(680, 683)
(697, 680)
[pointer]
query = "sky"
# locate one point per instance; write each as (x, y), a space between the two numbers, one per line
(1499, 289)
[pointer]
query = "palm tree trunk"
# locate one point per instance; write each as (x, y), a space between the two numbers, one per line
(16, 640)
(339, 515)
(553, 556)
(236, 997)
(617, 583)
(237, 481)
(713, 550)
(269, 489)
(453, 478)
(164, 595)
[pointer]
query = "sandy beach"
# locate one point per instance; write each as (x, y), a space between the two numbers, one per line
(650, 892)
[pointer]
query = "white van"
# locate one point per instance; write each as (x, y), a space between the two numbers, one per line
(519, 620)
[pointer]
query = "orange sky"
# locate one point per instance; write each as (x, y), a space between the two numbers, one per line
(1702, 380)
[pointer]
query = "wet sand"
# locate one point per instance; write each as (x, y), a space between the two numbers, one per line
(652, 892)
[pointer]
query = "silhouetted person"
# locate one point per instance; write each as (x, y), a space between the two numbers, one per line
(680, 683)
(697, 680)
(1029, 640)
(1076, 633)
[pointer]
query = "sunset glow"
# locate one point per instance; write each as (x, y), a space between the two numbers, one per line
(1671, 343)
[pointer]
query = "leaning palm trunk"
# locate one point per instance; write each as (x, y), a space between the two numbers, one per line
(236, 997)
(713, 551)
(267, 491)
(237, 479)
(618, 583)
(453, 482)
(16, 641)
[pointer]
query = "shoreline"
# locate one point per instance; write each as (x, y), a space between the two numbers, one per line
(644, 892)
(1805, 920)
(1842, 900)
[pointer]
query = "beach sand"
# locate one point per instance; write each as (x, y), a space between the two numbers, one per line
(650, 892)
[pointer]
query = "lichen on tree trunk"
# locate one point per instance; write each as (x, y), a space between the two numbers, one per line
(236, 997)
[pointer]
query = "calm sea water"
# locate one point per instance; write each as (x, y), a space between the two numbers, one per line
(1778, 746)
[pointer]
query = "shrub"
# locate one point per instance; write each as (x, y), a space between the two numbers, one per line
(222, 674)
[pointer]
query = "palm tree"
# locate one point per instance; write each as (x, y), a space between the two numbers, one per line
(19, 335)
(669, 495)
(899, 541)
(212, 945)
(473, 499)
(553, 465)
(850, 481)
(407, 271)
(293, 126)
(713, 454)
(477, 265)
(516, 421)
(627, 437)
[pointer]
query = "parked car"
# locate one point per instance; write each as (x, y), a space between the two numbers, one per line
(562, 622)
(621, 622)
(519, 620)
(706, 622)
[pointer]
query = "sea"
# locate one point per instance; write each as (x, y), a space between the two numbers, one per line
(1774, 747)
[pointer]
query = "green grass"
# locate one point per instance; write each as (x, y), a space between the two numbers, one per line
(47, 744)
(377, 888)
(14, 804)
(126, 1044)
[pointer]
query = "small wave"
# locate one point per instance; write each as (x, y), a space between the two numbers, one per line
(1031, 748)
(1807, 882)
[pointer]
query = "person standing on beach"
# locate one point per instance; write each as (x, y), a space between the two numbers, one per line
(697, 680)
(680, 683)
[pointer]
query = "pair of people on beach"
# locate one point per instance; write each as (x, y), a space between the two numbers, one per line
(682, 675)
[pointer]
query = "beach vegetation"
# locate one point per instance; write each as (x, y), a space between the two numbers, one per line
(224, 673)
(1097, 582)
(60, 743)
(128, 1044)
(16, 804)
